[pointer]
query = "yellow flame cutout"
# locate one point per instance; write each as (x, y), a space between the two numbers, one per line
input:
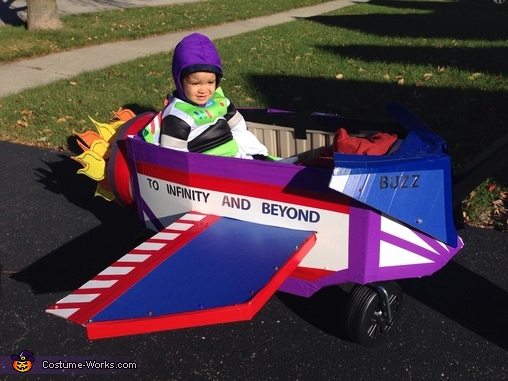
(93, 165)
(96, 147)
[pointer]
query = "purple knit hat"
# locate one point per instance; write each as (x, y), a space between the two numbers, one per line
(195, 52)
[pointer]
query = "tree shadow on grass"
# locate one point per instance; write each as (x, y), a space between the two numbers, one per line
(468, 119)
(460, 116)
(446, 20)
(473, 22)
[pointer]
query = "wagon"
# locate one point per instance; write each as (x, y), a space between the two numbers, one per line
(229, 233)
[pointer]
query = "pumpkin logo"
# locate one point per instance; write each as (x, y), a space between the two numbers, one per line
(22, 362)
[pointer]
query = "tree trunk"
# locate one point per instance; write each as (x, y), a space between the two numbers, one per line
(42, 15)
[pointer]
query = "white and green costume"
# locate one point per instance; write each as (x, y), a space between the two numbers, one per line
(216, 128)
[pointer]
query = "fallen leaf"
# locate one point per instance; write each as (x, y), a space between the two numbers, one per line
(474, 76)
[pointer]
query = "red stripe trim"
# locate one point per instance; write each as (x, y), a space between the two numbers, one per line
(310, 274)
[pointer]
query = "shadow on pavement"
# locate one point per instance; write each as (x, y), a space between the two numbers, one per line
(455, 292)
(79, 260)
(466, 298)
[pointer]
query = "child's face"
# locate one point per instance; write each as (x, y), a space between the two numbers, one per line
(199, 87)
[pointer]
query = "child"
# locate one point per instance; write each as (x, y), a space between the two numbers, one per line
(198, 117)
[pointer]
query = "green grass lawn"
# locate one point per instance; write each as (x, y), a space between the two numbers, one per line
(134, 23)
(444, 61)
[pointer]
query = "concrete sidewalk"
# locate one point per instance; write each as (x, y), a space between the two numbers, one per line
(16, 10)
(18, 76)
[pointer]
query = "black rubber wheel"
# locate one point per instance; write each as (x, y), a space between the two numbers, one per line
(366, 321)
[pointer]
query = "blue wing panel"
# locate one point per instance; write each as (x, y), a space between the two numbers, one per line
(225, 265)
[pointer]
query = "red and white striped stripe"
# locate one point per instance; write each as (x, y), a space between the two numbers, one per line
(84, 303)
(155, 123)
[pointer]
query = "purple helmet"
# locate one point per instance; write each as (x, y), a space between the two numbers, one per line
(195, 52)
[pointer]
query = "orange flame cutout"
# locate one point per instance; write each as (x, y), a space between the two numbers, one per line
(96, 148)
